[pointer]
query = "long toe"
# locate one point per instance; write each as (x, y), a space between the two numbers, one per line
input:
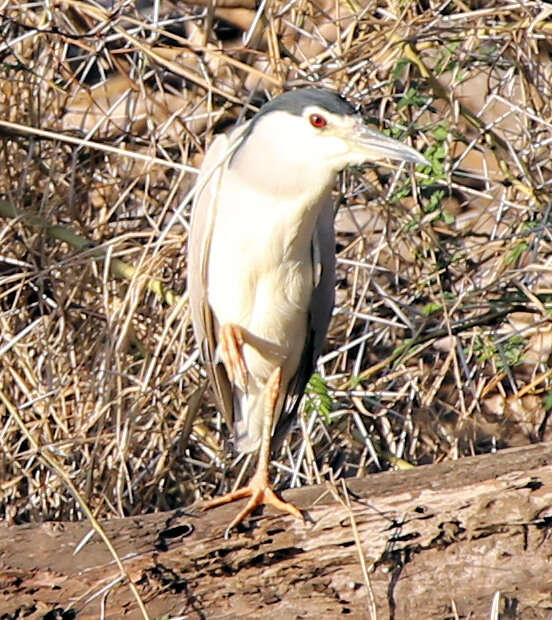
(264, 497)
(269, 497)
(255, 501)
(226, 499)
(259, 495)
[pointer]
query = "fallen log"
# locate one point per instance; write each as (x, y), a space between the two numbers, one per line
(455, 539)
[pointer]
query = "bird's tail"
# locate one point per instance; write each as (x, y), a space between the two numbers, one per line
(248, 420)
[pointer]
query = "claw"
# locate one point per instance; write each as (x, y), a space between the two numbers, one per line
(260, 493)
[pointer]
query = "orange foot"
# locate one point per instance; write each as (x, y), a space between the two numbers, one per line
(260, 493)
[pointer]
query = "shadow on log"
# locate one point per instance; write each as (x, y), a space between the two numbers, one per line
(447, 540)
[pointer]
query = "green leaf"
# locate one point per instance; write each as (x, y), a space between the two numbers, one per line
(412, 98)
(399, 67)
(516, 253)
(441, 132)
(434, 202)
(431, 307)
(318, 398)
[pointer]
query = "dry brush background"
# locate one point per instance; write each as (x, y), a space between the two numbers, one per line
(441, 341)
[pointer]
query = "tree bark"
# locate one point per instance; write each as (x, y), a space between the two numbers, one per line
(447, 540)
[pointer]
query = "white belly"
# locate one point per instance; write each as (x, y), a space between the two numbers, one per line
(256, 283)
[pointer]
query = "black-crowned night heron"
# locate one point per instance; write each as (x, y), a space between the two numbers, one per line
(261, 262)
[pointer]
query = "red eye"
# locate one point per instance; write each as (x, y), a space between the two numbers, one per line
(318, 121)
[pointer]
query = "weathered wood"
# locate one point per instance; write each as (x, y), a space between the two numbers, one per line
(438, 541)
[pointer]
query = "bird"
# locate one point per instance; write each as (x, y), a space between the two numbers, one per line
(261, 263)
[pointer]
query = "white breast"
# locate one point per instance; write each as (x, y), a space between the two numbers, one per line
(254, 278)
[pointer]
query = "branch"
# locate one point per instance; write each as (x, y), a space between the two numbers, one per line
(435, 541)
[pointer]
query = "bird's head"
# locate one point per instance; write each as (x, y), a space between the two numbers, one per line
(317, 133)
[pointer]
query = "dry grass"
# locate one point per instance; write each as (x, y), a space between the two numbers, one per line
(445, 275)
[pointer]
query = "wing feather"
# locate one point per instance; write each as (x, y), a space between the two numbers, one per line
(201, 229)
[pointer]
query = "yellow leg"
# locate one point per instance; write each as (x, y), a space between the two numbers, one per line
(259, 489)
